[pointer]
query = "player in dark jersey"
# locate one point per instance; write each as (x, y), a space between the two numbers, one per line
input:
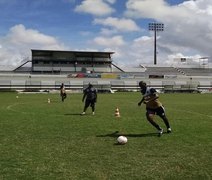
(90, 97)
(153, 107)
(63, 92)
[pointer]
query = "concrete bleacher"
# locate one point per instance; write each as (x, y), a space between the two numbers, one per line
(162, 71)
(180, 83)
(197, 71)
(173, 70)
(162, 77)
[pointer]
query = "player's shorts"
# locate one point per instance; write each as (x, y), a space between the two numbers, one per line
(158, 111)
(90, 102)
(63, 94)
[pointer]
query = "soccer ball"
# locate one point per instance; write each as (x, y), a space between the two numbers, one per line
(122, 140)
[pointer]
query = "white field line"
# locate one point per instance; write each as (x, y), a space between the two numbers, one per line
(12, 108)
(192, 112)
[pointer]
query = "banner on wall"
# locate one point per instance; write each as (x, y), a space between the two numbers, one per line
(109, 76)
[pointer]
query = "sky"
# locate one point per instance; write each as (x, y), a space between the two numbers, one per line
(119, 26)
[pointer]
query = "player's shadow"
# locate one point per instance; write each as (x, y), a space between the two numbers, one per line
(117, 134)
(73, 114)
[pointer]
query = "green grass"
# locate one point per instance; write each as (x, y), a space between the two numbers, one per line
(52, 141)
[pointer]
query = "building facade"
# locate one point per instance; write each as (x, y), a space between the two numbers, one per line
(51, 61)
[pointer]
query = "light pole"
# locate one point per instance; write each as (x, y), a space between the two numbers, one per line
(155, 27)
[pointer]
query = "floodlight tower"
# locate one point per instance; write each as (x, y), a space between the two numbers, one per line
(155, 27)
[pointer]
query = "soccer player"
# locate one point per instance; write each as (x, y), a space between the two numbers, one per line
(90, 94)
(63, 92)
(153, 107)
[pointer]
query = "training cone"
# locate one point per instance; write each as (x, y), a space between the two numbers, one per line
(117, 113)
(49, 101)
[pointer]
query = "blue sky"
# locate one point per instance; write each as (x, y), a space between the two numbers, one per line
(106, 25)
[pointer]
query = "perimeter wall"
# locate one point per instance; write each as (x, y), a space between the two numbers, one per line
(122, 82)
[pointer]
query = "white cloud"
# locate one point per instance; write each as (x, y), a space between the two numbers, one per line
(188, 26)
(109, 42)
(111, 1)
(108, 32)
(19, 41)
(20, 35)
(147, 8)
(95, 7)
(124, 25)
(143, 38)
(139, 51)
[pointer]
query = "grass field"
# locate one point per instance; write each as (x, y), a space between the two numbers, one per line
(52, 141)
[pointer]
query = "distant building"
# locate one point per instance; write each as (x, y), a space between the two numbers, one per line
(51, 61)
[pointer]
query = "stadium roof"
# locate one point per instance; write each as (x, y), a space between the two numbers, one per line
(75, 52)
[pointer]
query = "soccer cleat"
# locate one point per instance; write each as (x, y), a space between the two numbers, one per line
(93, 113)
(83, 113)
(160, 132)
(169, 130)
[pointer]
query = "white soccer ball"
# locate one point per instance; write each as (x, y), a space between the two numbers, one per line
(122, 140)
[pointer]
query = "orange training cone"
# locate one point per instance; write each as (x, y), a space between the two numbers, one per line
(117, 114)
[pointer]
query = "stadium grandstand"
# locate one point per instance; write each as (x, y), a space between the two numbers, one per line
(47, 69)
(62, 62)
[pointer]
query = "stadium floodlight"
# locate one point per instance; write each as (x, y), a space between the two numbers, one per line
(155, 27)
